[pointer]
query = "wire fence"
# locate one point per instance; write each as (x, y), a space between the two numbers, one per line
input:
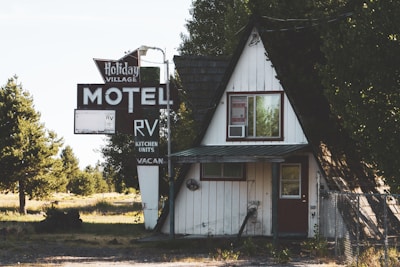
(361, 222)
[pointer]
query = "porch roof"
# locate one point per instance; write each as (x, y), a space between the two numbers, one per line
(238, 153)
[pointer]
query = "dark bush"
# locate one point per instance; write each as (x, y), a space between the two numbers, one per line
(59, 220)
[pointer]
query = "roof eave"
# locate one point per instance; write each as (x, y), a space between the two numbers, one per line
(231, 159)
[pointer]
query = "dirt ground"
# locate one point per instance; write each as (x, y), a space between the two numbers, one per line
(62, 253)
(75, 250)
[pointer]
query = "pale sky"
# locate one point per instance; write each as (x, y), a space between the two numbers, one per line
(50, 46)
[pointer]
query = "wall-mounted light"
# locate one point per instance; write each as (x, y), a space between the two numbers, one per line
(192, 184)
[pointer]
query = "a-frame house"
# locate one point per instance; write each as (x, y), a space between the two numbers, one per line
(263, 153)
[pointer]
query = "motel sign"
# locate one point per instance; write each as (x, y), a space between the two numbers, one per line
(125, 103)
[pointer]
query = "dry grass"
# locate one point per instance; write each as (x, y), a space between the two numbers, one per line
(98, 208)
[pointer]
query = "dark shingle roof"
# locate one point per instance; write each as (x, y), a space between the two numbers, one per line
(200, 77)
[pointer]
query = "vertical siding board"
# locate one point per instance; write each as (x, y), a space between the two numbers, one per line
(269, 76)
(177, 216)
(257, 198)
(197, 202)
(186, 208)
(252, 68)
(244, 72)
(212, 209)
(289, 126)
(243, 202)
(220, 207)
(266, 208)
(235, 207)
(227, 208)
(205, 197)
(251, 194)
(260, 63)
(180, 212)
(189, 226)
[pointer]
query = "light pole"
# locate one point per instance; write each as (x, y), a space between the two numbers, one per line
(144, 49)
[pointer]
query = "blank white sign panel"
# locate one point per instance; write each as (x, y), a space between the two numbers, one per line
(94, 121)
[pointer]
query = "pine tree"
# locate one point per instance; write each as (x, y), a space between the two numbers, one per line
(70, 164)
(213, 29)
(28, 151)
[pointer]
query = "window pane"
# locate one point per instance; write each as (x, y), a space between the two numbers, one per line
(290, 172)
(268, 115)
(290, 188)
(238, 110)
(290, 180)
(250, 122)
(212, 170)
(233, 170)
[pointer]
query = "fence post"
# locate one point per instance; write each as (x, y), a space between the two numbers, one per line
(385, 221)
(358, 227)
(336, 224)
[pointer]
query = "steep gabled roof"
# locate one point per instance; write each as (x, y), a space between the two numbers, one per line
(200, 77)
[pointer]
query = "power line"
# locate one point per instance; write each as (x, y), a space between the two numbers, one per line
(314, 22)
(341, 16)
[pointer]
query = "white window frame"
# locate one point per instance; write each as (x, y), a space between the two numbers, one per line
(238, 113)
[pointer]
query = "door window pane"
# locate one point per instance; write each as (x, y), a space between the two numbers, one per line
(290, 181)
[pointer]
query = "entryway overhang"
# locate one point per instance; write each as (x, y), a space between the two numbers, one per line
(238, 153)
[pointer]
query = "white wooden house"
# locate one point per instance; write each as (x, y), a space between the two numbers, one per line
(261, 158)
(254, 129)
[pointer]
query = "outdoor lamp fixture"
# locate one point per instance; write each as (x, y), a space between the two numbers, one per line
(142, 51)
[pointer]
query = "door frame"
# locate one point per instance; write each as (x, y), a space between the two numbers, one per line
(292, 213)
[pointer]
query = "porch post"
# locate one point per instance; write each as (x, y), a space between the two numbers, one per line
(275, 188)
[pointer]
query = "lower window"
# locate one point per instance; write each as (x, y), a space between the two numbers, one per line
(222, 171)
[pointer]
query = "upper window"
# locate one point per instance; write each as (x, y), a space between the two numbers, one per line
(255, 115)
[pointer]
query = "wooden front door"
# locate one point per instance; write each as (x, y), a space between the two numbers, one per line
(293, 197)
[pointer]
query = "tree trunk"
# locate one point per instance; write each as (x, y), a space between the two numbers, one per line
(22, 200)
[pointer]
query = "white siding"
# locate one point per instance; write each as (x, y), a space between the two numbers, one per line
(219, 208)
(253, 72)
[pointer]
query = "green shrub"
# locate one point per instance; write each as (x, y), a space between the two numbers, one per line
(226, 254)
(82, 184)
(282, 256)
(316, 246)
(249, 247)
